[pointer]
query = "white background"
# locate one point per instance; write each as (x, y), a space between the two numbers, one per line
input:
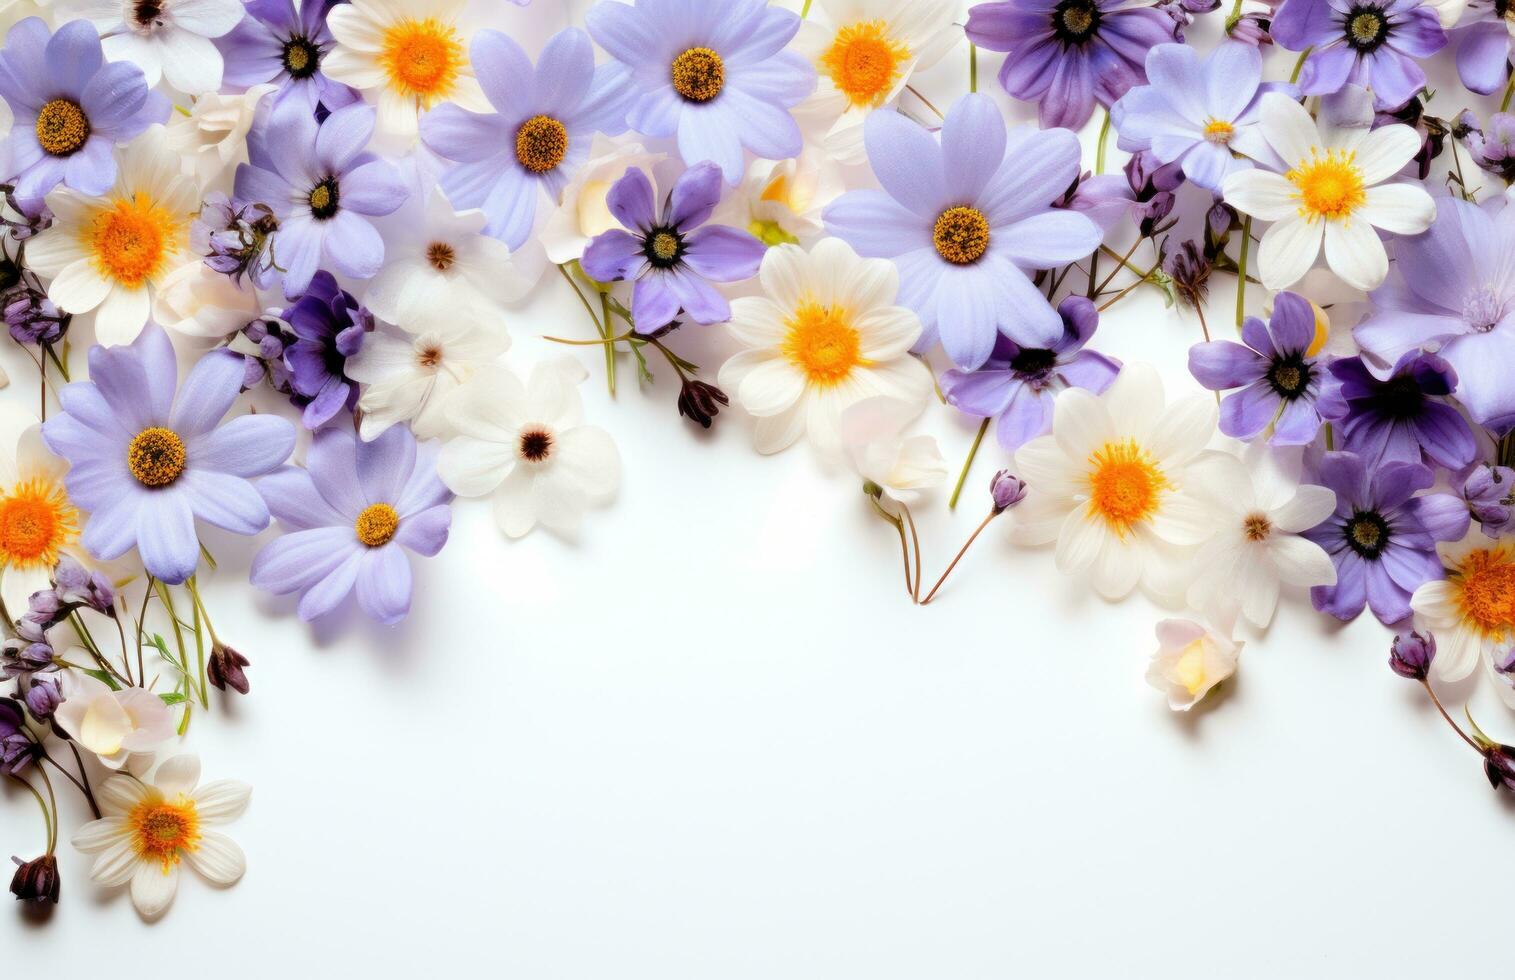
(711, 739)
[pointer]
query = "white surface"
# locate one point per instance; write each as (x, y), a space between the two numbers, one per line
(713, 740)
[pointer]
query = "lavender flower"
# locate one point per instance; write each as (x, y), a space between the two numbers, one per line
(1361, 42)
(43, 697)
(1410, 655)
(1153, 186)
(1489, 492)
(1250, 29)
(1401, 418)
(234, 239)
(328, 326)
(1006, 490)
(17, 750)
(75, 586)
(32, 318)
(276, 44)
(1483, 45)
(1494, 151)
(20, 656)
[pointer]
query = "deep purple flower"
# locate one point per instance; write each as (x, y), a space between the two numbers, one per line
(1402, 418)
(1065, 55)
(277, 44)
(17, 750)
(43, 696)
(37, 880)
(1361, 42)
(1283, 386)
(1483, 45)
(1153, 188)
(349, 518)
(1499, 765)
(1018, 385)
(670, 256)
(147, 462)
(1382, 537)
(226, 668)
(32, 318)
(1489, 492)
(1410, 654)
(328, 325)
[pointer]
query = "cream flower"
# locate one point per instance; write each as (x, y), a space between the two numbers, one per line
(195, 301)
(109, 253)
(408, 377)
(1472, 610)
(212, 138)
(165, 38)
(582, 212)
(114, 725)
(149, 827)
(38, 522)
(900, 466)
(1333, 191)
(1190, 660)
(825, 334)
(527, 445)
(1111, 484)
(781, 201)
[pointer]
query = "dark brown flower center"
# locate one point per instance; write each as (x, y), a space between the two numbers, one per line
(536, 445)
(541, 143)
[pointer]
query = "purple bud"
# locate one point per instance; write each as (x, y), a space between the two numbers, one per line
(1250, 29)
(43, 698)
(36, 880)
(1410, 654)
(225, 669)
(1007, 489)
(1490, 495)
(1499, 766)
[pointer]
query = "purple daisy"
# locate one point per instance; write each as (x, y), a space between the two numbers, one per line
(672, 258)
(329, 326)
(147, 462)
(279, 45)
(322, 186)
(539, 134)
(963, 219)
(1361, 42)
(1401, 418)
(1065, 55)
(70, 109)
(715, 75)
(1282, 384)
(1018, 385)
(1382, 538)
(349, 518)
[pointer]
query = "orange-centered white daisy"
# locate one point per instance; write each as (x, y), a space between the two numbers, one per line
(825, 334)
(1472, 610)
(1109, 484)
(38, 522)
(109, 253)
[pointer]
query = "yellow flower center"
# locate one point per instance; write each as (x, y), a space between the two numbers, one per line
(160, 830)
(156, 456)
(1189, 670)
(863, 62)
(377, 524)
(699, 74)
(36, 520)
(1125, 485)
(62, 127)
(131, 239)
(1486, 582)
(423, 58)
(961, 235)
(665, 246)
(541, 143)
(1328, 186)
(823, 343)
(1219, 131)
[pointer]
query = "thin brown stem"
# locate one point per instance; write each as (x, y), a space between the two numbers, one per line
(960, 553)
(1455, 727)
(915, 540)
(1121, 295)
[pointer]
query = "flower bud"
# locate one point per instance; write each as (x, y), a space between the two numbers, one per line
(1410, 654)
(1007, 489)
(700, 401)
(43, 698)
(36, 880)
(1499, 766)
(225, 669)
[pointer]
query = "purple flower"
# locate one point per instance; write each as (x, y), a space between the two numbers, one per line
(1382, 538)
(1489, 492)
(147, 462)
(1006, 490)
(43, 696)
(1400, 418)
(17, 750)
(1410, 655)
(1361, 42)
(349, 518)
(1065, 55)
(1281, 384)
(277, 44)
(963, 219)
(75, 586)
(32, 318)
(234, 239)
(1494, 151)
(1018, 385)
(1483, 45)
(670, 256)
(539, 134)
(715, 75)
(322, 187)
(70, 109)
(328, 325)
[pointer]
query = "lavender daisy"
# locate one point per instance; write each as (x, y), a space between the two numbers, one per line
(539, 134)
(1018, 385)
(1401, 418)
(349, 517)
(715, 75)
(147, 462)
(962, 220)
(329, 327)
(280, 45)
(1361, 42)
(672, 258)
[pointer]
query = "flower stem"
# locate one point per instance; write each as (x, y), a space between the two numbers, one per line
(1124, 260)
(805, 10)
(52, 799)
(1241, 271)
(899, 527)
(1299, 65)
(967, 465)
(1455, 727)
(1122, 294)
(960, 553)
(1509, 90)
(47, 818)
(610, 346)
(972, 67)
(1099, 147)
(915, 593)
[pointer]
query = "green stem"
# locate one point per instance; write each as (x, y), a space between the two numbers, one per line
(1099, 148)
(805, 10)
(1122, 294)
(1241, 272)
(972, 67)
(1509, 90)
(165, 597)
(200, 612)
(47, 818)
(1298, 65)
(967, 465)
(52, 799)
(610, 346)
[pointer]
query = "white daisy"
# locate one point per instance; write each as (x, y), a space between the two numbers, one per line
(211, 138)
(582, 213)
(1333, 191)
(149, 827)
(1190, 660)
(900, 466)
(1472, 610)
(527, 445)
(408, 376)
(38, 522)
(825, 334)
(165, 38)
(116, 725)
(781, 201)
(1111, 484)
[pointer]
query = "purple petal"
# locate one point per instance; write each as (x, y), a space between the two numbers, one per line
(723, 254)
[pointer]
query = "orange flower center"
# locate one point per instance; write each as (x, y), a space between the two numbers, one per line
(1125, 485)
(864, 61)
(377, 524)
(823, 343)
(1486, 578)
(699, 74)
(1219, 131)
(131, 239)
(541, 143)
(1329, 186)
(961, 235)
(62, 127)
(36, 520)
(160, 829)
(423, 58)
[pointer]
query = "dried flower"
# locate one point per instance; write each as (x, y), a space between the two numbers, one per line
(77, 586)
(235, 239)
(1189, 269)
(17, 750)
(36, 880)
(225, 669)
(700, 401)
(1410, 654)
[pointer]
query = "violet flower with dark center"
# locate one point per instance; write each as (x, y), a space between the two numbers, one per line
(328, 325)
(1361, 42)
(276, 44)
(1401, 418)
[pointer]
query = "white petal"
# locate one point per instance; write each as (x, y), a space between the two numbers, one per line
(153, 888)
(222, 800)
(1262, 194)
(1288, 250)
(1404, 209)
(1385, 150)
(178, 775)
(1301, 562)
(218, 858)
(1355, 254)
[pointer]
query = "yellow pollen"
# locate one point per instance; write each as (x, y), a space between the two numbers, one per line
(823, 343)
(36, 520)
(1365, 28)
(423, 58)
(156, 456)
(1486, 582)
(1328, 186)
(1078, 20)
(699, 74)
(296, 57)
(863, 62)
(161, 829)
(961, 235)
(377, 524)
(541, 143)
(1219, 131)
(1366, 533)
(62, 127)
(1257, 527)
(665, 245)
(131, 239)
(320, 197)
(1125, 485)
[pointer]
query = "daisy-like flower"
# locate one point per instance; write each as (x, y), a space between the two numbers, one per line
(113, 724)
(825, 333)
(1189, 662)
(149, 827)
(528, 446)
(538, 134)
(408, 55)
(1472, 610)
(865, 53)
(1377, 45)
(147, 462)
(962, 220)
(350, 516)
(895, 467)
(715, 75)
(1332, 191)
(109, 253)
(165, 38)
(407, 376)
(1111, 484)
(1403, 416)
(780, 202)
(583, 211)
(278, 45)
(38, 522)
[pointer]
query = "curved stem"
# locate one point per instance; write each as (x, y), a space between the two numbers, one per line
(899, 527)
(1455, 727)
(52, 799)
(915, 592)
(47, 818)
(1241, 271)
(1300, 64)
(1099, 147)
(960, 553)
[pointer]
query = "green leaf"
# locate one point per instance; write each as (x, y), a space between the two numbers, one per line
(101, 675)
(174, 698)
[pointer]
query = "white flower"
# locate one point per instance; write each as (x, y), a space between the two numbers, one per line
(149, 827)
(165, 38)
(114, 725)
(1190, 660)
(408, 377)
(825, 334)
(901, 466)
(527, 445)
(195, 301)
(582, 212)
(212, 139)
(781, 201)
(1333, 190)
(109, 253)
(38, 522)
(1472, 610)
(1111, 486)
(1256, 545)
